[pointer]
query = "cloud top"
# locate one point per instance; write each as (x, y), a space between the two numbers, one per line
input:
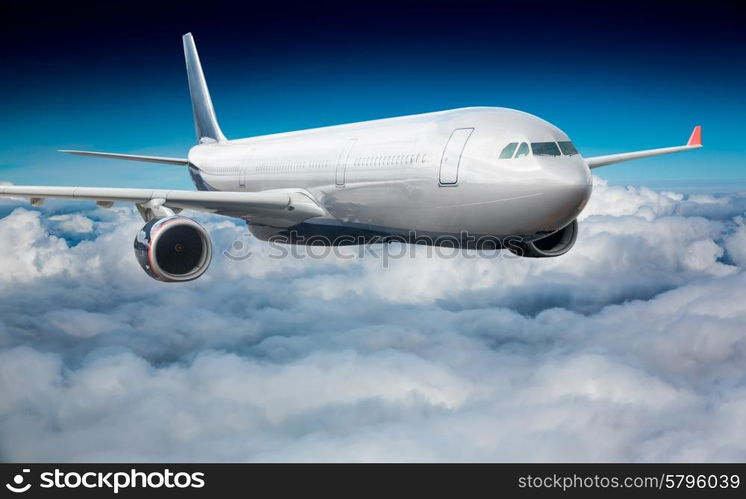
(630, 347)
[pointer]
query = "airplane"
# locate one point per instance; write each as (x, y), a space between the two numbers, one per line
(467, 178)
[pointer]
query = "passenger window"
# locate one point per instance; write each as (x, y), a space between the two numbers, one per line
(508, 151)
(522, 150)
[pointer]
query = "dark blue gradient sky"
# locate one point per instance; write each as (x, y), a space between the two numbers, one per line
(614, 78)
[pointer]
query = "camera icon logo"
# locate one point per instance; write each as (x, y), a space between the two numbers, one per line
(239, 250)
(18, 481)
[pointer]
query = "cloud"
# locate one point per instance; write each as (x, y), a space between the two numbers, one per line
(735, 243)
(73, 223)
(630, 347)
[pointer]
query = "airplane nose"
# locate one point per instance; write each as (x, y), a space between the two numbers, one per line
(568, 188)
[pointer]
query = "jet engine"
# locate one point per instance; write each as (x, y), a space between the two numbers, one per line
(173, 249)
(555, 244)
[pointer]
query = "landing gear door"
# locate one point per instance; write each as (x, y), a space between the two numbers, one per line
(452, 156)
(344, 159)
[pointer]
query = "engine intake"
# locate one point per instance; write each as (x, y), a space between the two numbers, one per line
(173, 249)
(555, 244)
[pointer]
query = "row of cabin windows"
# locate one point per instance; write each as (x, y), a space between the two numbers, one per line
(400, 159)
(396, 159)
(516, 150)
(293, 165)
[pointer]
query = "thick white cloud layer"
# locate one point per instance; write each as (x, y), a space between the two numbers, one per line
(630, 347)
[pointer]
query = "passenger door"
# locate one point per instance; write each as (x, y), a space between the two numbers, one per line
(343, 161)
(242, 175)
(451, 158)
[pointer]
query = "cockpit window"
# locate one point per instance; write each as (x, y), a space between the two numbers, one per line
(507, 152)
(568, 149)
(516, 150)
(545, 149)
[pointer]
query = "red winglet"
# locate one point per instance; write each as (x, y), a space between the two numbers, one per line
(696, 137)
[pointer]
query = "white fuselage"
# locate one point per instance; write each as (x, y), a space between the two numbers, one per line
(435, 173)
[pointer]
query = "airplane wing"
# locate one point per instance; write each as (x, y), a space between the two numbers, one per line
(277, 207)
(694, 142)
(130, 157)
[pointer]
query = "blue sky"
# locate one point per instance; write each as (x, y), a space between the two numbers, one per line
(610, 85)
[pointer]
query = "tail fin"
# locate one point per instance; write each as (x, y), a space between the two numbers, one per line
(205, 121)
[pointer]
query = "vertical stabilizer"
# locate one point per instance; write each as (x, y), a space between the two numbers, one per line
(205, 121)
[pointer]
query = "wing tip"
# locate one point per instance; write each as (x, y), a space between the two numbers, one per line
(695, 139)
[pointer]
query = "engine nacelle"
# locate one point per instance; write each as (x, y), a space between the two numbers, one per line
(173, 249)
(555, 244)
